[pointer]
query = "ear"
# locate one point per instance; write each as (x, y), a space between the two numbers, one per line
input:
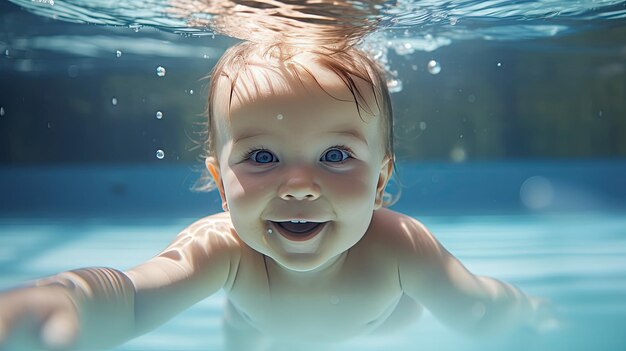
(386, 170)
(214, 169)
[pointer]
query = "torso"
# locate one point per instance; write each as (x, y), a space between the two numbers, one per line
(355, 299)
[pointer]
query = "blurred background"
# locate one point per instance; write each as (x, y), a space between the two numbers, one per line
(77, 95)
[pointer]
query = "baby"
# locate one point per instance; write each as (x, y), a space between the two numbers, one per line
(300, 148)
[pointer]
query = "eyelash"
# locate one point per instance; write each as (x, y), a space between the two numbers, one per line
(250, 152)
(344, 148)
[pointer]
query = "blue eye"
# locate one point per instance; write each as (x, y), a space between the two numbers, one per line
(335, 155)
(262, 156)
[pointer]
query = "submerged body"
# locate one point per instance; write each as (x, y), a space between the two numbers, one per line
(353, 295)
(305, 250)
(356, 293)
(379, 284)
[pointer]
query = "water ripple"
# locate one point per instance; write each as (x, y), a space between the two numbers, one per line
(329, 21)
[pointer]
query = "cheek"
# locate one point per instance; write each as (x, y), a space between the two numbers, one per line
(246, 186)
(359, 184)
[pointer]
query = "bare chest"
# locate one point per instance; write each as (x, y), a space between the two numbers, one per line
(354, 301)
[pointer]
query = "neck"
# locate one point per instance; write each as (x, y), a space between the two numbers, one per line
(327, 271)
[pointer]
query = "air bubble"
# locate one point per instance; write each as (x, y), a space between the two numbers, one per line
(499, 64)
(73, 71)
(453, 21)
(537, 193)
(378, 54)
(422, 125)
(458, 154)
(191, 92)
(159, 115)
(479, 309)
(280, 117)
(433, 67)
(1, 111)
(114, 101)
(206, 57)
(404, 48)
(118, 53)
(160, 154)
(394, 85)
(160, 71)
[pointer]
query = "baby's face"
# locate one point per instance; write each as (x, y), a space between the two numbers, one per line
(301, 172)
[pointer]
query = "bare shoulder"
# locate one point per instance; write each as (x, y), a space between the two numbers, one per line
(219, 222)
(209, 232)
(207, 250)
(403, 234)
(421, 260)
(210, 238)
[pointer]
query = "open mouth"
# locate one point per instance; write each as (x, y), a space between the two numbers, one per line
(299, 230)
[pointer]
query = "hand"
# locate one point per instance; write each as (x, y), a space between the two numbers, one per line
(38, 317)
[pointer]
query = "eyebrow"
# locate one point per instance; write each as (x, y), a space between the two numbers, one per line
(352, 134)
(248, 134)
(255, 133)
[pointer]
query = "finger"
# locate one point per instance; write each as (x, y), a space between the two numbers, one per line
(60, 330)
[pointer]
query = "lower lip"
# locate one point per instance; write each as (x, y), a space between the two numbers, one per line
(288, 235)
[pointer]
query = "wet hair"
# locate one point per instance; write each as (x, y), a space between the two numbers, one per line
(348, 64)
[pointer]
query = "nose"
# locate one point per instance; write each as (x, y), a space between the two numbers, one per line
(299, 185)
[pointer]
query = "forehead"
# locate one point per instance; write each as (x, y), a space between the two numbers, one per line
(304, 95)
(304, 74)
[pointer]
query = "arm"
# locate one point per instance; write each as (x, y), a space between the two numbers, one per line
(96, 308)
(86, 308)
(431, 275)
(202, 260)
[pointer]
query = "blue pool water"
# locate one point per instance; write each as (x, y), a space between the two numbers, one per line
(510, 127)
